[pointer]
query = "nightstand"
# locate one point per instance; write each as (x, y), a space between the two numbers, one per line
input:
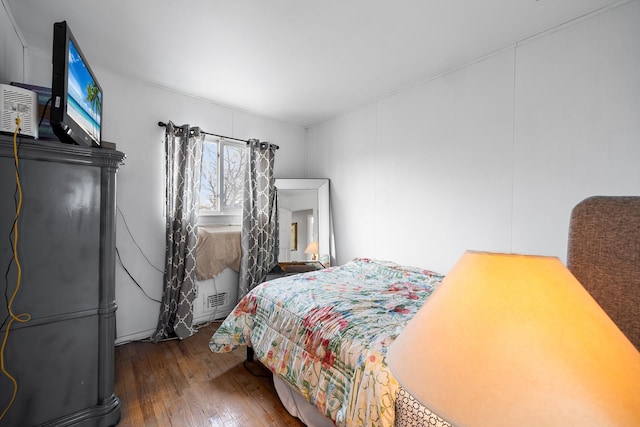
(284, 269)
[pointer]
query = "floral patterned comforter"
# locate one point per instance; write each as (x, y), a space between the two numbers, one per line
(326, 334)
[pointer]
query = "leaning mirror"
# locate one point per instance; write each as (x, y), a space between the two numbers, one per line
(304, 220)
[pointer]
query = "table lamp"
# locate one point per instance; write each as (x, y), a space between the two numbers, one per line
(515, 340)
(312, 249)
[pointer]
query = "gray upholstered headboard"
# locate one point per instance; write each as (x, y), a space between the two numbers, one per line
(604, 255)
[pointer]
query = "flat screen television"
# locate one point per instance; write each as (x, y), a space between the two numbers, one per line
(76, 96)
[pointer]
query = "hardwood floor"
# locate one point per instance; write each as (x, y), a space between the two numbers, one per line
(183, 384)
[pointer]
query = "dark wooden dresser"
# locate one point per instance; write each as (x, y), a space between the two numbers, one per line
(63, 357)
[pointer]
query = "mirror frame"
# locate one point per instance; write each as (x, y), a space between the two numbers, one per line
(321, 185)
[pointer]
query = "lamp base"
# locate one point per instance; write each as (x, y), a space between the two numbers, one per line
(411, 413)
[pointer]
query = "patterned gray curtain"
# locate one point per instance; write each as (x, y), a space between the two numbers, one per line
(259, 217)
(183, 151)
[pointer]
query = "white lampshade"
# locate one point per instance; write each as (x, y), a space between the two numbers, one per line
(515, 340)
(313, 250)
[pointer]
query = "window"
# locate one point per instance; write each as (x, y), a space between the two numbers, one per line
(222, 179)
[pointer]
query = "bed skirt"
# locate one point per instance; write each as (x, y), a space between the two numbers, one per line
(298, 407)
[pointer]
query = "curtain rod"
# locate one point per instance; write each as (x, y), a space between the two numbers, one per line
(162, 124)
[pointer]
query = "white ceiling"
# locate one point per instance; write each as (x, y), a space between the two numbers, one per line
(298, 61)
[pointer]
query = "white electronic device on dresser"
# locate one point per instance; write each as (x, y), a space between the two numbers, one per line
(17, 102)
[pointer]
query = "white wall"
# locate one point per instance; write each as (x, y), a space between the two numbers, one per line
(491, 156)
(11, 50)
(132, 110)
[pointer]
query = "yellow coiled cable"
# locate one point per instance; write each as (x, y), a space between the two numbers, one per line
(23, 317)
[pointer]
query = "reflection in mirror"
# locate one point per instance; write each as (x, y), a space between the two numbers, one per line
(304, 218)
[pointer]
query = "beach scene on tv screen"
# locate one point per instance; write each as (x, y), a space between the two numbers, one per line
(84, 99)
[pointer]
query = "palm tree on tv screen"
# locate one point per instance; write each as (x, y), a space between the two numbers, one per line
(93, 96)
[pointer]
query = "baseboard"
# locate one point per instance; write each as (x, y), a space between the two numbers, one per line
(143, 335)
(134, 337)
(210, 317)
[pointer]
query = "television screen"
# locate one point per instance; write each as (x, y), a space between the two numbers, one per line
(84, 97)
(76, 111)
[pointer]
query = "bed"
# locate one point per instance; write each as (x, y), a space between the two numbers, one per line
(325, 334)
(341, 370)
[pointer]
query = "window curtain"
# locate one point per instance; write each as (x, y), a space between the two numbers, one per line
(183, 156)
(260, 216)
